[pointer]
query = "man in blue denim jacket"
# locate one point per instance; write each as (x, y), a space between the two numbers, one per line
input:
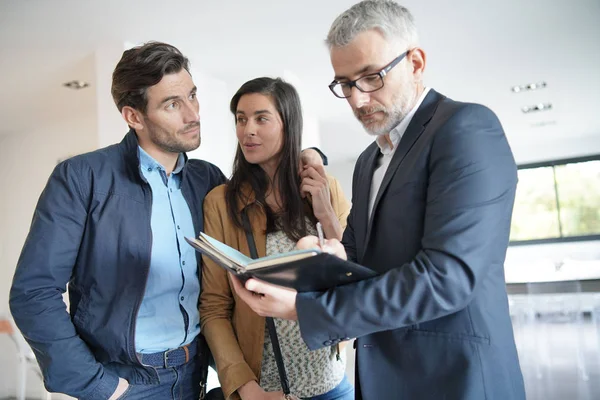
(111, 224)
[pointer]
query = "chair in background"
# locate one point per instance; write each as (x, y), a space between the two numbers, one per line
(26, 359)
(561, 331)
(596, 320)
(523, 320)
(558, 310)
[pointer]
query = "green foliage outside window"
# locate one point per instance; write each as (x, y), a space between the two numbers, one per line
(557, 201)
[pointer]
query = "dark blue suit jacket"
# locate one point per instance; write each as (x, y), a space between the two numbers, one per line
(435, 323)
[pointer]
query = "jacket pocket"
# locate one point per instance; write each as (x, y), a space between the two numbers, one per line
(451, 336)
(79, 315)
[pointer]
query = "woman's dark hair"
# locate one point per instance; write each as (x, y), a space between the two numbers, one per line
(142, 67)
(286, 179)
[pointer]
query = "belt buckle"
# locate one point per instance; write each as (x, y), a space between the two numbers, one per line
(185, 350)
(166, 357)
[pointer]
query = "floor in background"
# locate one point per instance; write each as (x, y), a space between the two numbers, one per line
(548, 355)
(14, 398)
(549, 359)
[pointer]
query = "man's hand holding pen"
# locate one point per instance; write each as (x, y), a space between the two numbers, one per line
(332, 246)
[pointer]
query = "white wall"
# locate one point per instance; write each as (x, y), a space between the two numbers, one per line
(217, 128)
(311, 136)
(110, 125)
(3, 201)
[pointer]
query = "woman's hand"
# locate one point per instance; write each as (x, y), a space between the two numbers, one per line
(332, 246)
(262, 395)
(252, 391)
(315, 183)
(310, 157)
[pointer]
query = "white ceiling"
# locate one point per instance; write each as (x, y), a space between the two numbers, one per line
(477, 50)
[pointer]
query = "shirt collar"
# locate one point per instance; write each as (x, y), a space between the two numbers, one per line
(146, 161)
(398, 131)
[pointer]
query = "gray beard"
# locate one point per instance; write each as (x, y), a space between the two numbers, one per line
(402, 106)
(392, 120)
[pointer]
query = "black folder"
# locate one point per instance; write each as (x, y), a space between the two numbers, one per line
(304, 270)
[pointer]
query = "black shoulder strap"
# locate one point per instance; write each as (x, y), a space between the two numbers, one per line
(249, 235)
(205, 357)
(270, 323)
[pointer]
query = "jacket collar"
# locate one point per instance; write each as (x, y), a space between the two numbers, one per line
(130, 144)
(247, 198)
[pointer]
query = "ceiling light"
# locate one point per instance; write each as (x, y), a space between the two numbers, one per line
(76, 85)
(528, 87)
(541, 124)
(537, 107)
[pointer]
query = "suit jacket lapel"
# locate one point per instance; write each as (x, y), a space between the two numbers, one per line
(362, 196)
(413, 131)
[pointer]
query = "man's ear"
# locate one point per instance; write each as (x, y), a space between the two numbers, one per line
(132, 117)
(418, 59)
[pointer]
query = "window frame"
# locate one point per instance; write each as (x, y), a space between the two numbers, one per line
(557, 163)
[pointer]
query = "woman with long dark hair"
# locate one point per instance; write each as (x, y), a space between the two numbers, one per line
(282, 202)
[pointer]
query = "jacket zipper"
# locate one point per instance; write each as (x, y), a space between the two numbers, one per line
(138, 303)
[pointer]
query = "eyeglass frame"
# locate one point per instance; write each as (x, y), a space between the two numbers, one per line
(382, 73)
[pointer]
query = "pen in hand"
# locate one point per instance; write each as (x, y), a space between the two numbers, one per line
(320, 234)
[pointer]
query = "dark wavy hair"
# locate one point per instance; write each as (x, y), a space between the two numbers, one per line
(292, 218)
(142, 67)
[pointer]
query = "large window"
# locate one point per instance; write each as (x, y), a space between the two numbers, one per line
(557, 201)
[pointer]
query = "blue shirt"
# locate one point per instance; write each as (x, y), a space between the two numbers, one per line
(168, 316)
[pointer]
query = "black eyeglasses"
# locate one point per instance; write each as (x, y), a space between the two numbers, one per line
(366, 84)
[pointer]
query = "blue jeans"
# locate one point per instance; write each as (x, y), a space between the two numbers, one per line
(179, 383)
(343, 391)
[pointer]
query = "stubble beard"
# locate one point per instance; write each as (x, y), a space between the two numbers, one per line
(174, 143)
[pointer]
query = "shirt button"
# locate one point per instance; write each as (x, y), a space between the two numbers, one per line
(178, 227)
(171, 189)
(182, 298)
(149, 169)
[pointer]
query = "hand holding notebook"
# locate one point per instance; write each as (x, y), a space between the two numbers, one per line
(303, 270)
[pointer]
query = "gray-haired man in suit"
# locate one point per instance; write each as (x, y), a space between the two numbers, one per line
(432, 204)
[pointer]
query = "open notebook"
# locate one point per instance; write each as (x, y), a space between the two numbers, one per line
(304, 270)
(240, 263)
